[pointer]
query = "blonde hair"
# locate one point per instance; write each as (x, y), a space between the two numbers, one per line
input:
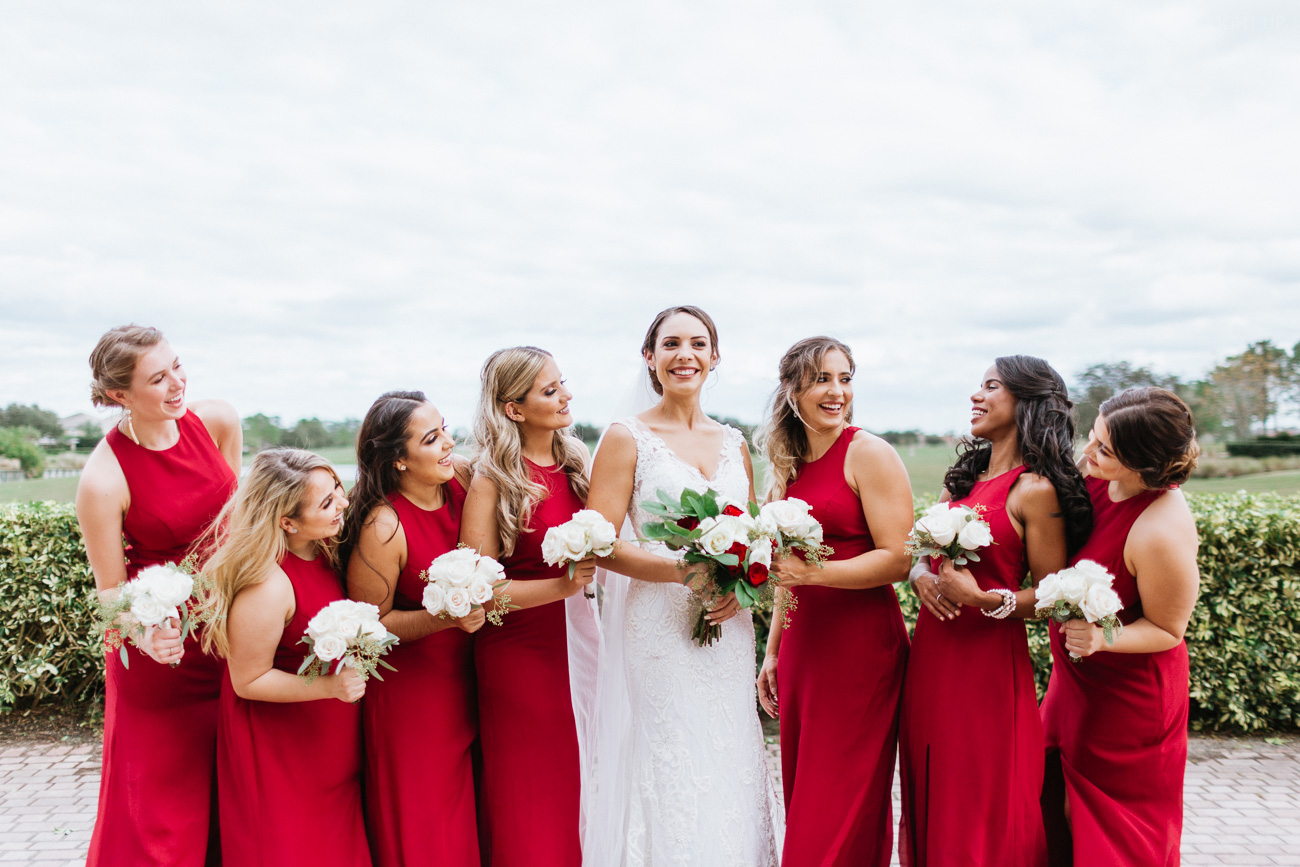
(782, 438)
(246, 538)
(508, 375)
(112, 361)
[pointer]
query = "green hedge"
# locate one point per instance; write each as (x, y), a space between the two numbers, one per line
(1244, 637)
(1264, 447)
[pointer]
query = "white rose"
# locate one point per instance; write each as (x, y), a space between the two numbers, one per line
(975, 534)
(435, 598)
(328, 621)
(588, 518)
(1048, 592)
(1093, 573)
(166, 583)
(374, 630)
(488, 570)
(553, 547)
(455, 568)
(788, 516)
(938, 527)
(723, 532)
(149, 611)
(368, 613)
(601, 537)
(480, 591)
(574, 538)
(1072, 586)
(760, 552)
(329, 647)
(458, 602)
(1099, 602)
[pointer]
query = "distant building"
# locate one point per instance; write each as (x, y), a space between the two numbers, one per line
(73, 423)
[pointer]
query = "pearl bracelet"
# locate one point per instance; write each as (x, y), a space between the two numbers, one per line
(1004, 610)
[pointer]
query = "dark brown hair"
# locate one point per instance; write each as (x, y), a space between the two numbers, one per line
(1152, 433)
(652, 335)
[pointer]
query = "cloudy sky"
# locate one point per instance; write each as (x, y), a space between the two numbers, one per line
(321, 201)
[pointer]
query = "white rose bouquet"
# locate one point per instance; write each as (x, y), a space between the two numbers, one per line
(147, 602)
(1081, 592)
(792, 527)
(462, 580)
(954, 532)
(727, 538)
(586, 534)
(346, 633)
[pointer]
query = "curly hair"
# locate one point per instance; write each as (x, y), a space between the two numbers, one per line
(1045, 430)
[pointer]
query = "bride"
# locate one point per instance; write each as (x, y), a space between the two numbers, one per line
(680, 775)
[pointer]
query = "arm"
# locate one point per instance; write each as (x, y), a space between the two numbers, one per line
(877, 474)
(225, 428)
(102, 499)
(1032, 504)
(612, 477)
(1161, 554)
(479, 529)
(255, 624)
(767, 692)
(373, 570)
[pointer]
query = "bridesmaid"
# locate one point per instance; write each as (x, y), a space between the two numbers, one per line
(530, 474)
(839, 723)
(159, 478)
(1116, 723)
(970, 742)
(421, 720)
(288, 752)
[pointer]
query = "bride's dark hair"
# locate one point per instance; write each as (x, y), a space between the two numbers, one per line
(1045, 429)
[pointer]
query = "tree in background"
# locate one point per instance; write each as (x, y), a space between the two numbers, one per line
(20, 443)
(261, 432)
(45, 422)
(1249, 388)
(1097, 383)
(88, 436)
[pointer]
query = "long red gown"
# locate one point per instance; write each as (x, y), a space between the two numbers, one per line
(970, 741)
(531, 778)
(421, 720)
(1116, 726)
(160, 723)
(289, 773)
(839, 676)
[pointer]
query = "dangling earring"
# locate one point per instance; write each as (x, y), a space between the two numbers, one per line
(130, 428)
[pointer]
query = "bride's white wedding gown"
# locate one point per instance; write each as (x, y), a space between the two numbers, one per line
(691, 771)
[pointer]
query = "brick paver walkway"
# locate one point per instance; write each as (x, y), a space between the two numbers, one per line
(1242, 800)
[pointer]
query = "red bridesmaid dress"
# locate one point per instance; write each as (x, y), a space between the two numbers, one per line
(839, 676)
(530, 779)
(289, 773)
(421, 720)
(970, 741)
(1116, 726)
(160, 723)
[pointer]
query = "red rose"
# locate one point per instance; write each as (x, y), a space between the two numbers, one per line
(733, 511)
(688, 523)
(757, 574)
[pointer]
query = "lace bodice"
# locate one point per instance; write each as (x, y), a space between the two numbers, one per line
(698, 788)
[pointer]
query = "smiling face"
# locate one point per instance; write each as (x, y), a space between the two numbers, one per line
(157, 389)
(546, 405)
(993, 408)
(428, 448)
(824, 405)
(320, 514)
(683, 354)
(1100, 456)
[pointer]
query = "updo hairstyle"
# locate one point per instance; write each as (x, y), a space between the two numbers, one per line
(113, 360)
(651, 336)
(1153, 434)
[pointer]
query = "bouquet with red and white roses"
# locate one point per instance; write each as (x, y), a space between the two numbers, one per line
(735, 543)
